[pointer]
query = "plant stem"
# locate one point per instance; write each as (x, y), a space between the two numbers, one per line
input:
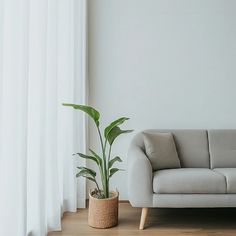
(105, 170)
(98, 187)
(105, 145)
(109, 157)
(109, 154)
(100, 137)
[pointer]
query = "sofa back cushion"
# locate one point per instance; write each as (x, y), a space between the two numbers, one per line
(161, 151)
(191, 146)
(222, 147)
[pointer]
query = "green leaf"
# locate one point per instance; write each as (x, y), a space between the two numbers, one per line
(85, 170)
(83, 173)
(114, 124)
(93, 113)
(113, 171)
(96, 156)
(88, 157)
(112, 161)
(85, 176)
(114, 133)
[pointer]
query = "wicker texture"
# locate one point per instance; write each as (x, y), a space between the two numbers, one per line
(103, 213)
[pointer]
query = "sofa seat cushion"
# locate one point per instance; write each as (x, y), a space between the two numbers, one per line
(188, 180)
(230, 177)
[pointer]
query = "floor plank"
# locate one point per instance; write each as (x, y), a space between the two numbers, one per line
(161, 222)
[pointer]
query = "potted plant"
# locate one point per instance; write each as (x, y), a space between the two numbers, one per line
(103, 203)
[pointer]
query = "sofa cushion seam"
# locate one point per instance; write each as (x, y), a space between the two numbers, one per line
(209, 152)
(226, 180)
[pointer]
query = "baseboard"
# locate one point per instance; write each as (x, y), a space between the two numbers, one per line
(123, 201)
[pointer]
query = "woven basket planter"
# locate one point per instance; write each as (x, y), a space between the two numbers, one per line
(103, 213)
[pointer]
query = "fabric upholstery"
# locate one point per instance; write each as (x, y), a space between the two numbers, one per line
(191, 145)
(188, 180)
(139, 176)
(230, 177)
(161, 151)
(192, 148)
(205, 187)
(193, 200)
(222, 147)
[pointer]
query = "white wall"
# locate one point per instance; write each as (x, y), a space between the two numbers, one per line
(164, 64)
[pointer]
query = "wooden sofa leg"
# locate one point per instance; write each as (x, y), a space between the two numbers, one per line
(143, 217)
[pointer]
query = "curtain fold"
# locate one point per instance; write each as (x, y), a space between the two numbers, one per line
(42, 65)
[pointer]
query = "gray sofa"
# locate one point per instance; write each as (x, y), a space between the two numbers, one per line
(206, 177)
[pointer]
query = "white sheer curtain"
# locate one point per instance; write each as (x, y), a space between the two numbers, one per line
(42, 65)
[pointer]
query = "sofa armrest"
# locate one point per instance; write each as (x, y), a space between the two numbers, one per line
(140, 177)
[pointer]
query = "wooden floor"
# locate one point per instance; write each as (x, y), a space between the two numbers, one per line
(161, 222)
